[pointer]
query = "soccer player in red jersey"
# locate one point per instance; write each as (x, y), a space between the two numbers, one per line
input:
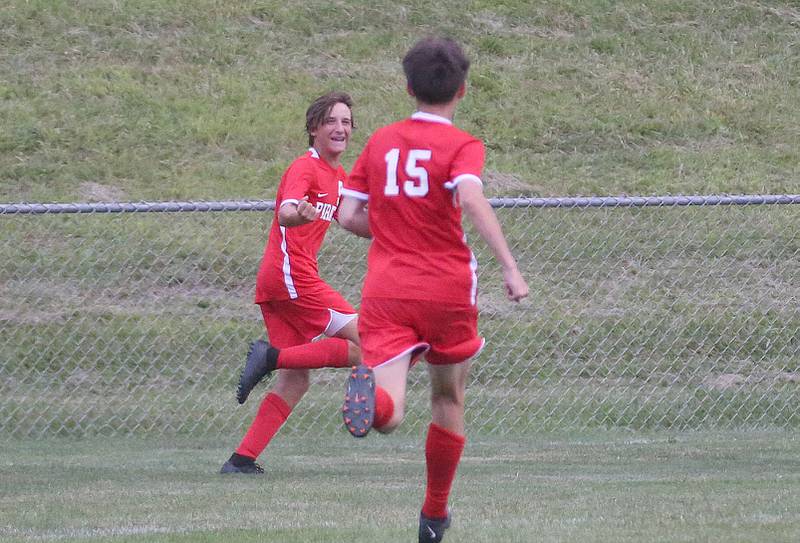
(296, 304)
(407, 191)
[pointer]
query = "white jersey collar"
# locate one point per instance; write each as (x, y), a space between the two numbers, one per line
(430, 117)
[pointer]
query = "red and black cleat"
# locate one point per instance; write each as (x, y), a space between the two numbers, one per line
(358, 410)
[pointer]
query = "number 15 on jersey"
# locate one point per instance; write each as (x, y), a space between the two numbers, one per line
(417, 185)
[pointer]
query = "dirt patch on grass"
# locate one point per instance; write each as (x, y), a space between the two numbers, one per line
(727, 381)
(96, 192)
(724, 381)
(506, 183)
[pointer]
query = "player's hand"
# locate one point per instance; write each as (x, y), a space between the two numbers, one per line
(516, 287)
(306, 211)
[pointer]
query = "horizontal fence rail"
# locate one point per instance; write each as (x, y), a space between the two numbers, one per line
(266, 205)
(661, 312)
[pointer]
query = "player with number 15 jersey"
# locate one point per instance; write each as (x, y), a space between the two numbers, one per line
(419, 251)
(407, 191)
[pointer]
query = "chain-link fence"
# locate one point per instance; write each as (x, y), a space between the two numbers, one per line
(645, 313)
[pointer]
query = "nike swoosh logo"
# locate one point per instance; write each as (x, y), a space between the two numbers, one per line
(322, 194)
(430, 531)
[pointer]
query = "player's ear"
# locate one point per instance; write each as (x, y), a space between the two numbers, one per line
(462, 90)
(410, 91)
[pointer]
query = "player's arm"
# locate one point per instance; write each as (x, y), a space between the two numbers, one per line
(481, 215)
(295, 186)
(353, 216)
(296, 213)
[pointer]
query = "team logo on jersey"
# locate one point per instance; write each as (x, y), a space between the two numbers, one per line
(326, 211)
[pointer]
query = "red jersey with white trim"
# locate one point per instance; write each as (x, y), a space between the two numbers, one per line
(289, 267)
(408, 173)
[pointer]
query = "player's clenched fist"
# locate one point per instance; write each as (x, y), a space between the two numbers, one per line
(306, 211)
(516, 287)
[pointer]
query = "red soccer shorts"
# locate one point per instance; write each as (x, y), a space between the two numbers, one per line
(390, 328)
(298, 321)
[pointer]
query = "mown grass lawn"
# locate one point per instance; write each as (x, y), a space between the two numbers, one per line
(609, 486)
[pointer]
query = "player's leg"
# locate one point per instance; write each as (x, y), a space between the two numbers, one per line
(338, 349)
(312, 317)
(376, 390)
(376, 398)
(443, 446)
(275, 408)
(454, 340)
(344, 327)
(263, 359)
(391, 379)
(277, 405)
(448, 385)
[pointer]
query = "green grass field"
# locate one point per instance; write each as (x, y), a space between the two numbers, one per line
(593, 487)
(204, 99)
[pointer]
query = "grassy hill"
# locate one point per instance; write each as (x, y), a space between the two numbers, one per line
(204, 99)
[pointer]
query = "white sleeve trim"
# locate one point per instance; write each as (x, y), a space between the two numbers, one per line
(354, 194)
(290, 201)
(451, 185)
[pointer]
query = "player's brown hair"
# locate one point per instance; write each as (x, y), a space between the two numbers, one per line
(435, 69)
(320, 108)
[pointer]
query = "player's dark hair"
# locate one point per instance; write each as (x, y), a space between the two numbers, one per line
(320, 108)
(435, 69)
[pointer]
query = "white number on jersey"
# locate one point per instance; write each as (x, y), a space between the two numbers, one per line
(418, 184)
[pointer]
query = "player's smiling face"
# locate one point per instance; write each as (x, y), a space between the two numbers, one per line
(331, 137)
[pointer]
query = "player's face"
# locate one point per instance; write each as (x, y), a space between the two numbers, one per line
(331, 137)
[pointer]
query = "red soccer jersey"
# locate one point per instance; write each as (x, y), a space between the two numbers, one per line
(289, 267)
(408, 173)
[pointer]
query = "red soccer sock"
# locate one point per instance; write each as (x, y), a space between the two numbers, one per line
(442, 454)
(327, 353)
(271, 415)
(384, 408)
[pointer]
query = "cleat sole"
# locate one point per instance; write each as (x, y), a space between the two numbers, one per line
(360, 401)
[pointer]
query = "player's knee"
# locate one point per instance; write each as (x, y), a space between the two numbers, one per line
(393, 423)
(386, 429)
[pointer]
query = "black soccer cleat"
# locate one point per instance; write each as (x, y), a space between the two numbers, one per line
(432, 530)
(238, 463)
(262, 359)
(358, 410)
